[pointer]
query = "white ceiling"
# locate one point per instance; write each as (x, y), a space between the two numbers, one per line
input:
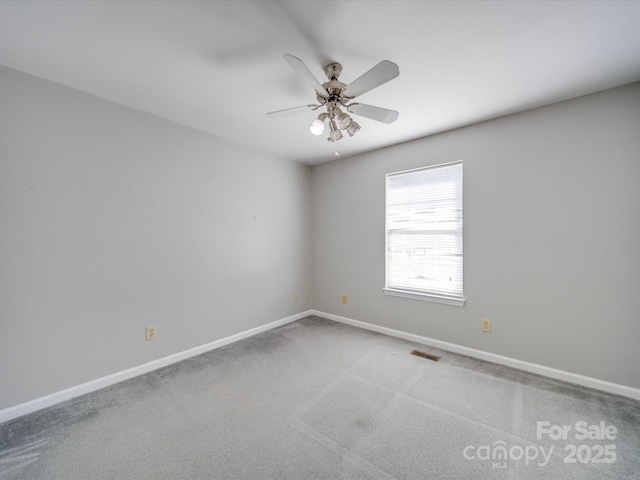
(217, 66)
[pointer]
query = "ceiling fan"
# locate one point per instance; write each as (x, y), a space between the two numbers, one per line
(335, 96)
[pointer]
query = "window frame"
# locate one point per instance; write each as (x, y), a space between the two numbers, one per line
(419, 294)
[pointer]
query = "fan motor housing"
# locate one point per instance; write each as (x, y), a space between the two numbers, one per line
(333, 71)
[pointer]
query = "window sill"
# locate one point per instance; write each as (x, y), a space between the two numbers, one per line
(425, 297)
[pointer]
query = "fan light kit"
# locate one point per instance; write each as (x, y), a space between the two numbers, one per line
(335, 96)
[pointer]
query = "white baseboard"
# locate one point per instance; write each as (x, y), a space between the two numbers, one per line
(82, 389)
(93, 385)
(493, 358)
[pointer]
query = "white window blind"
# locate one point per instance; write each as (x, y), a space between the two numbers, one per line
(424, 232)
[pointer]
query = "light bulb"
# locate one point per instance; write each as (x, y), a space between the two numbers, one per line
(335, 134)
(317, 127)
(344, 120)
(353, 128)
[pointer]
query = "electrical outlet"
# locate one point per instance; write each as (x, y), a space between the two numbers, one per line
(295, 297)
(344, 299)
(486, 325)
(150, 333)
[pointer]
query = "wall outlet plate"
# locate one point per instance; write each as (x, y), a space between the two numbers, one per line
(486, 325)
(150, 332)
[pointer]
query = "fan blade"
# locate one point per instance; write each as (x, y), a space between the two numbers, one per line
(290, 111)
(374, 113)
(381, 73)
(299, 66)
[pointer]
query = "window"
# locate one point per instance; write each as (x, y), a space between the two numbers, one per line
(424, 234)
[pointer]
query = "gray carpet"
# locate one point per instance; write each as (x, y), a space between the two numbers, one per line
(320, 400)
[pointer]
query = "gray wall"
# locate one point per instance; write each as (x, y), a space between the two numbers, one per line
(112, 220)
(551, 232)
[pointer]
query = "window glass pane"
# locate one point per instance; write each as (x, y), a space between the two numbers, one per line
(424, 230)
